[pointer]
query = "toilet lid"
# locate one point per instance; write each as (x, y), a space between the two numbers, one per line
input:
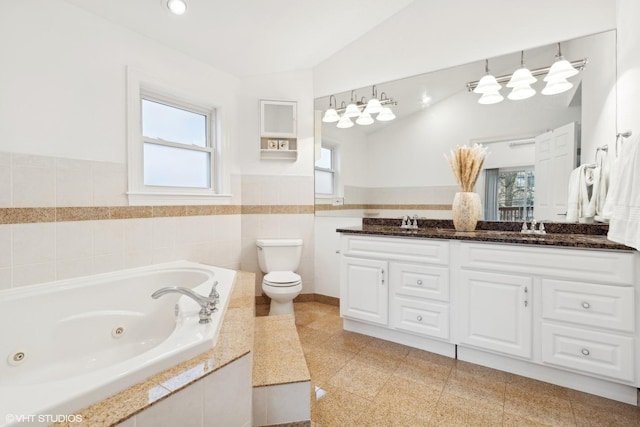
(282, 278)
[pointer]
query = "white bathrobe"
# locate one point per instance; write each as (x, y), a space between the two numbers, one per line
(624, 197)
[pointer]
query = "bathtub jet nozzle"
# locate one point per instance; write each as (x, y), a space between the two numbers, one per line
(207, 305)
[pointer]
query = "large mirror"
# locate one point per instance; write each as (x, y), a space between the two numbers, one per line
(398, 167)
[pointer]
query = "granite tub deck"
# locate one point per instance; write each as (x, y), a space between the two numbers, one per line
(281, 379)
(234, 341)
(588, 236)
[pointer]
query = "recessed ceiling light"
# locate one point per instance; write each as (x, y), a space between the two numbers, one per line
(178, 7)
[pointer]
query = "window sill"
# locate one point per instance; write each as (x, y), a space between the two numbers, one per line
(170, 199)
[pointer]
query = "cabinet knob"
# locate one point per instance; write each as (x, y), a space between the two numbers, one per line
(419, 318)
(585, 351)
(586, 305)
(419, 282)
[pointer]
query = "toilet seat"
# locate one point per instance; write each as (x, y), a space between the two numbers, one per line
(282, 279)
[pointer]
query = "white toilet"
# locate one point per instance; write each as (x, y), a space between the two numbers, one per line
(279, 258)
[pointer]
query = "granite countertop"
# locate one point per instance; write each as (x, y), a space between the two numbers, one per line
(565, 235)
(235, 340)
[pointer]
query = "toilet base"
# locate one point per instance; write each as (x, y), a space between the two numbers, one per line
(277, 308)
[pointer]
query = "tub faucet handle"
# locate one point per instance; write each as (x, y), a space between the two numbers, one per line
(215, 296)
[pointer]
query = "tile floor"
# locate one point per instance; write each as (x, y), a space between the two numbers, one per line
(364, 381)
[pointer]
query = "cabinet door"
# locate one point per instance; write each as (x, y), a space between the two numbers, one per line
(278, 119)
(495, 312)
(363, 289)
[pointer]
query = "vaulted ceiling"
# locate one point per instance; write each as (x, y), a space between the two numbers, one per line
(245, 37)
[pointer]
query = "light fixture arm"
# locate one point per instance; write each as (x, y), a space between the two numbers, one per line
(334, 104)
(579, 65)
(362, 105)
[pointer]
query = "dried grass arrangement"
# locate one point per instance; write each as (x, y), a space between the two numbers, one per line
(466, 164)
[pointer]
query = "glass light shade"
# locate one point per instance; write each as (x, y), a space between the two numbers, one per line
(490, 98)
(344, 122)
(521, 92)
(178, 7)
(561, 69)
(330, 116)
(556, 86)
(351, 111)
(487, 84)
(364, 119)
(385, 115)
(373, 106)
(521, 77)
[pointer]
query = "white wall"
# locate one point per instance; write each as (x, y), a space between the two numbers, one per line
(628, 67)
(63, 81)
(422, 37)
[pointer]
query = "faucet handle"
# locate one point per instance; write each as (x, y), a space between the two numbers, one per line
(415, 221)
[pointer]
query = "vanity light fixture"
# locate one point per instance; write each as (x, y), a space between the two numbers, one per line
(331, 115)
(489, 87)
(521, 82)
(361, 110)
(555, 75)
(177, 7)
(352, 109)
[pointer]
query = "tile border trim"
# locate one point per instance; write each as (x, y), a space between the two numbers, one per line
(89, 213)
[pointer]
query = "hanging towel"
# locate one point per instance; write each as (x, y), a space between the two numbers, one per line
(573, 203)
(614, 169)
(602, 161)
(624, 226)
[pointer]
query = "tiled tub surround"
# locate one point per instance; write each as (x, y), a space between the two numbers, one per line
(593, 236)
(68, 331)
(213, 387)
(281, 381)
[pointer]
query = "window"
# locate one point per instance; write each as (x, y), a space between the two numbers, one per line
(177, 145)
(174, 154)
(325, 172)
(510, 194)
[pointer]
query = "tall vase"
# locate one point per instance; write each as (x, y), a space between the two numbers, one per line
(466, 211)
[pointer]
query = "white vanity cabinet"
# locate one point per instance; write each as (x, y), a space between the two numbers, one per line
(562, 315)
(365, 295)
(399, 287)
(495, 312)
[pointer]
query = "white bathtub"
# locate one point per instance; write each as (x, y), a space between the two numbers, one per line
(69, 334)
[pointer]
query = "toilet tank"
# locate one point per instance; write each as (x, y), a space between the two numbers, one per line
(279, 254)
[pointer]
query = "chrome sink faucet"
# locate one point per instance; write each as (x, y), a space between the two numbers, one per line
(207, 304)
(406, 222)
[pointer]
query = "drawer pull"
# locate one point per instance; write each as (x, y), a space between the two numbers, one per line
(586, 305)
(585, 352)
(419, 282)
(419, 318)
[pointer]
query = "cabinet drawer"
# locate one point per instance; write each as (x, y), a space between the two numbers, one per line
(589, 304)
(424, 318)
(402, 249)
(594, 353)
(421, 281)
(572, 264)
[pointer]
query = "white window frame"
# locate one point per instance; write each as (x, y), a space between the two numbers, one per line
(139, 86)
(335, 162)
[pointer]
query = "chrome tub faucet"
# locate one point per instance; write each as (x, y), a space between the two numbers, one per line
(207, 304)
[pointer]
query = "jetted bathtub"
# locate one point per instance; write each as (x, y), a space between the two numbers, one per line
(67, 344)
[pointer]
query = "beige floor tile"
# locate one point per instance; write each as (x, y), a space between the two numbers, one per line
(311, 338)
(360, 379)
(348, 342)
(606, 415)
(455, 410)
(423, 371)
(484, 389)
(540, 408)
(329, 324)
(325, 363)
(372, 382)
(337, 407)
(387, 349)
